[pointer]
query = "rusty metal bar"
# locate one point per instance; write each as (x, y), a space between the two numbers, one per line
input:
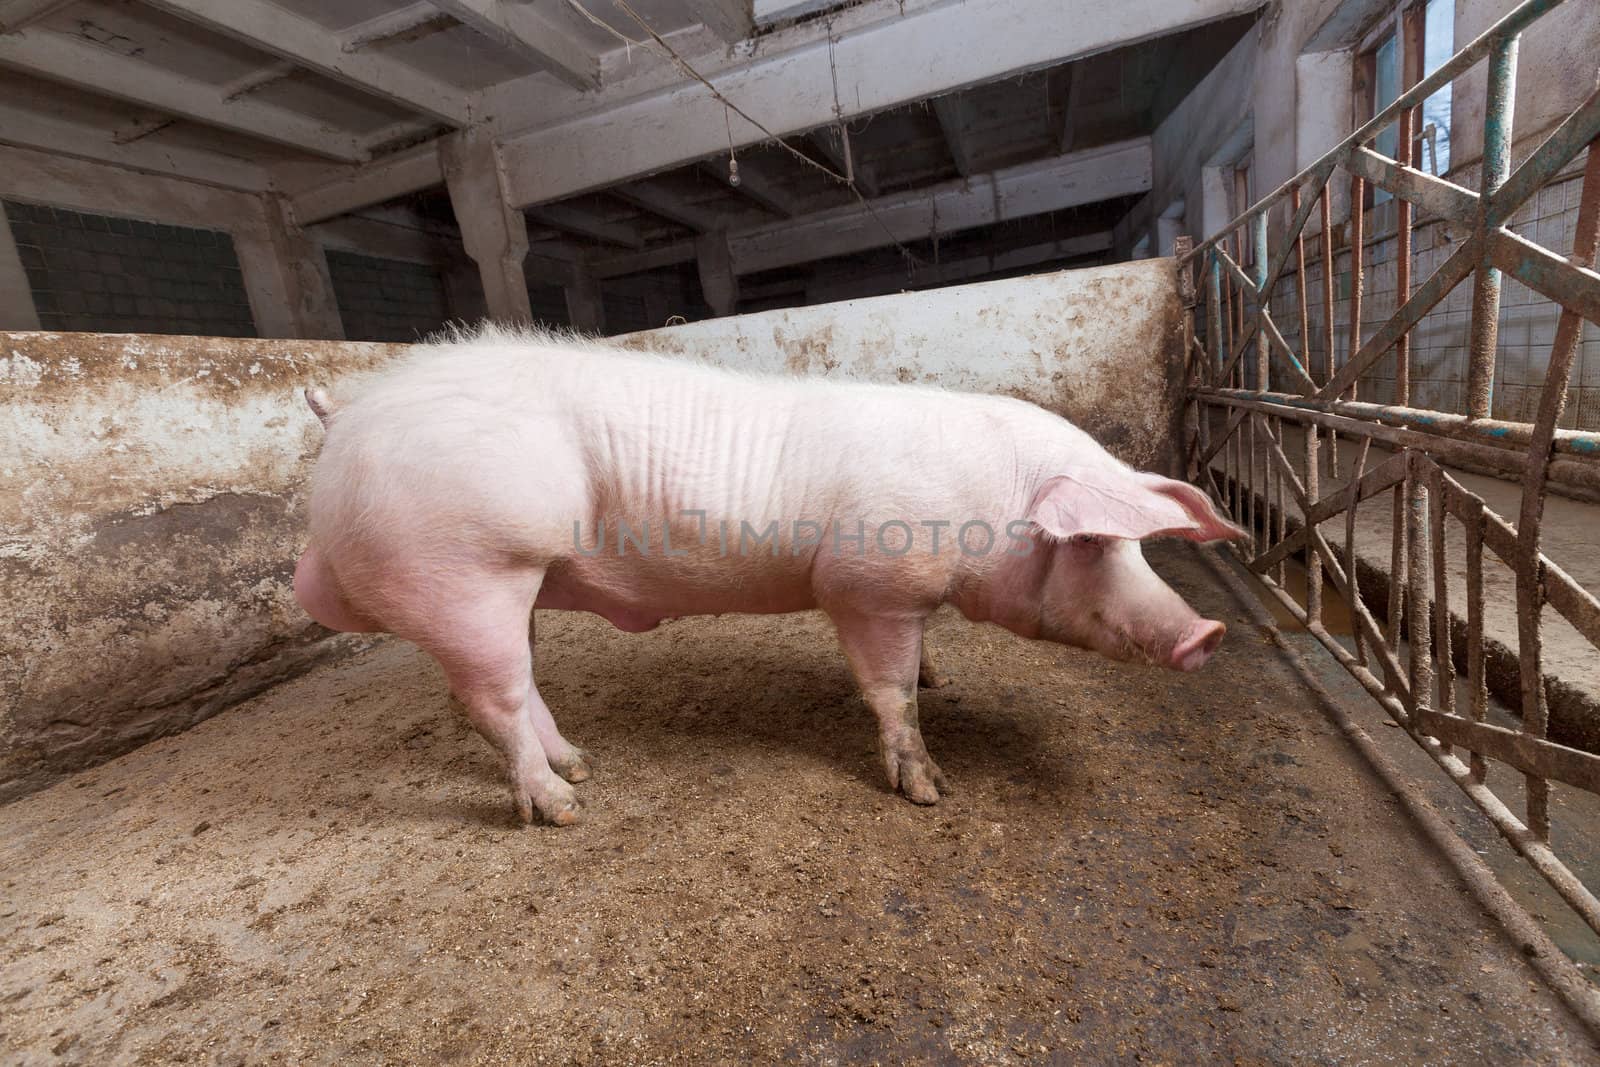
(1582, 475)
(1398, 559)
(1450, 273)
(1511, 435)
(1477, 683)
(1512, 24)
(1353, 343)
(1560, 148)
(1530, 589)
(1443, 660)
(1420, 585)
(1214, 338)
(1354, 499)
(1326, 249)
(1435, 195)
(1497, 113)
(1300, 281)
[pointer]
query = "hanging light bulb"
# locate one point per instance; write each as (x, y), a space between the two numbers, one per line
(733, 171)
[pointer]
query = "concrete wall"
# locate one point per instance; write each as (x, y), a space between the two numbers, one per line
(151, 491)
(1095, 345)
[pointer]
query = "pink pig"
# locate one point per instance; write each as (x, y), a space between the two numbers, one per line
(488, 476)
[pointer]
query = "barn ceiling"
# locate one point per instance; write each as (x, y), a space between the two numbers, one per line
(296, 95)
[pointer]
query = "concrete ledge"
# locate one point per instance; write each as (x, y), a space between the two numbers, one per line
(150, 518)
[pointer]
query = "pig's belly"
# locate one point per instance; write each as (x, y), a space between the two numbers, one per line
(637, 594)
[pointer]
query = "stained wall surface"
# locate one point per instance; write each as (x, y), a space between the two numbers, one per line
(151, 494)
(1097, 346)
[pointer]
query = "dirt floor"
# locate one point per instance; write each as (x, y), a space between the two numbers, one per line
(1130, 864)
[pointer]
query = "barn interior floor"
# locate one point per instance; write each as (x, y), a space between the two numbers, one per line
(1130, 863)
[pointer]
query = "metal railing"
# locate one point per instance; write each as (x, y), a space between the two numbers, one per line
(1404, 644)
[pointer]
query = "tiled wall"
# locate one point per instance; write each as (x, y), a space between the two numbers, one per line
(387, 299)
(1439, 342)
(117, 275)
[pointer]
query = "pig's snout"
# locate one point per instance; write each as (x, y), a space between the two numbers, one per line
(1197, 644)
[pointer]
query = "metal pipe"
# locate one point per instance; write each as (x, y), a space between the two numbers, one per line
(1498, 109)
(1263, 302)
(1530, 588)
(1580, 475)
(1357, 219)
(1515, 436)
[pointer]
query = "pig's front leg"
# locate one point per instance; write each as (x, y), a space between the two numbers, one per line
(885, 653)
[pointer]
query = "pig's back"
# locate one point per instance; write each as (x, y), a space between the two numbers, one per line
(506, 442)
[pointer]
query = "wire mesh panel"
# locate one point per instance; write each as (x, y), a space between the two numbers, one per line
(1278, 435)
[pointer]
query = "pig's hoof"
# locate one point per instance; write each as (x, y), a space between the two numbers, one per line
(917, 777)
(556, 807)
(574, 767)
(932, 679)
(566, 815)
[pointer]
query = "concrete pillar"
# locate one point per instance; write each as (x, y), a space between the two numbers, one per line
(1167, 232)
(1322, 119)
(717, 280)
(586, 312)
(494, 232)
(1214, 213)
(285, 275)
(16, 296)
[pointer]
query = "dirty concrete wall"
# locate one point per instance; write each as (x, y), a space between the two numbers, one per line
(1097, 346)
(150, 518)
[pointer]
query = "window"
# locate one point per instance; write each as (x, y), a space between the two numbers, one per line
(1402, 50)
(1438, 45)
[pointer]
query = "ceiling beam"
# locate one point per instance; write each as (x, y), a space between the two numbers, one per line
(59, 58)
(272, 28)
(569, 219)
(410, 22)
(663, 203)
(1017, 192)
(641, 126)
(397, 174)
(19, 14)
(829, 140)
(46, 133)
(793, 90)
(951, 111)
(730, 20)
(530, 33)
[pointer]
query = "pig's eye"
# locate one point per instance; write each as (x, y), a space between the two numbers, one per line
(1088, 540)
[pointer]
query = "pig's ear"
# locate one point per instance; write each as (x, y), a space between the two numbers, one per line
(1106, 501)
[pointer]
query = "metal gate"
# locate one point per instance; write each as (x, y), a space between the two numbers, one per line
(1270, 453)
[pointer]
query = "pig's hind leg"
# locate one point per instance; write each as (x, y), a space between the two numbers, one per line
(884, 654)
(480, 640)
(929, 676)
(566, 759)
